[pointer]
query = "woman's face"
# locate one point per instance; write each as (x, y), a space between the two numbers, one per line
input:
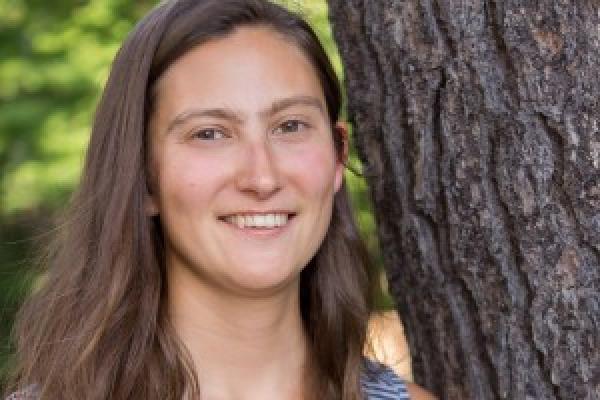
(243, 163)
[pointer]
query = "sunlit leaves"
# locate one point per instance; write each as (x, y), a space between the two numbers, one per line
(54, 60)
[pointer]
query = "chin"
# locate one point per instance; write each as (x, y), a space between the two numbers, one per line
(264, 283)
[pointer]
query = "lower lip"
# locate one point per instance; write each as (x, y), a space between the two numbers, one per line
(261, 232)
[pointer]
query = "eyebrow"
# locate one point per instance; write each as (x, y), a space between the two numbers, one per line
(232, 115)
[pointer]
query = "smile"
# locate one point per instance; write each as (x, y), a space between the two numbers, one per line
(258, 221)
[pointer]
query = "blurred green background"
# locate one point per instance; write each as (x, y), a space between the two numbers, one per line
(54, 60)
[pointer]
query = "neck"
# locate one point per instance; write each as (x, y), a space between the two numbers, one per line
(241, 347)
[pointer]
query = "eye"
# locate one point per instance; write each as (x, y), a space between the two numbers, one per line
(291, 126)
(209, 134)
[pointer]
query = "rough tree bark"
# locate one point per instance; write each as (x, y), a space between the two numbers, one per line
(478, 123)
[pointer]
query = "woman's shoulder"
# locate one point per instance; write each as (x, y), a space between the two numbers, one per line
(380, 382)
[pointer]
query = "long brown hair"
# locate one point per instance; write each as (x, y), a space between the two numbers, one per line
(97, 328)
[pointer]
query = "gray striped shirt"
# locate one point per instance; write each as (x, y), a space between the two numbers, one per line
(379, 382)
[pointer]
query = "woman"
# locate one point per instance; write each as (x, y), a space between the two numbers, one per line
(210, 250)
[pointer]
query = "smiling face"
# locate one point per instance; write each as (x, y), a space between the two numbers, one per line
(243, 163)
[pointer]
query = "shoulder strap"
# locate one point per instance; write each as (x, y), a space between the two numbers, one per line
(380, 382)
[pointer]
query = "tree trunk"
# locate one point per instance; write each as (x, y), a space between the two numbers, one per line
(478, 123)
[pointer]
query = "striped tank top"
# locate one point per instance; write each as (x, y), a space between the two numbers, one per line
(379, 382)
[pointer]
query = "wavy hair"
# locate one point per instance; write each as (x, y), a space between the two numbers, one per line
(98, 327)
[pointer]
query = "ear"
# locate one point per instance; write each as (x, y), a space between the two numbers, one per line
(151, 208)
(341, 129)
(150, 205)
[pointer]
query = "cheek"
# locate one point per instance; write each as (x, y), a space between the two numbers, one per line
(313, 169)
(187, 182)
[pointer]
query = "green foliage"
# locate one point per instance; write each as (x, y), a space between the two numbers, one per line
(54, 60)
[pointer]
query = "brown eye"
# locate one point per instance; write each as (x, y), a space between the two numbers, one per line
(291, 126)
(209, 134)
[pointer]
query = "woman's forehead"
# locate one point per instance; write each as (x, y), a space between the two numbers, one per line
(247, 69)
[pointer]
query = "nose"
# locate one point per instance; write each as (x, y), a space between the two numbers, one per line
(257, 172)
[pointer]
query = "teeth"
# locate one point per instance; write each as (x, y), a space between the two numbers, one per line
(239, 220)
(258, 220)
(280, 219)
(270, 219)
